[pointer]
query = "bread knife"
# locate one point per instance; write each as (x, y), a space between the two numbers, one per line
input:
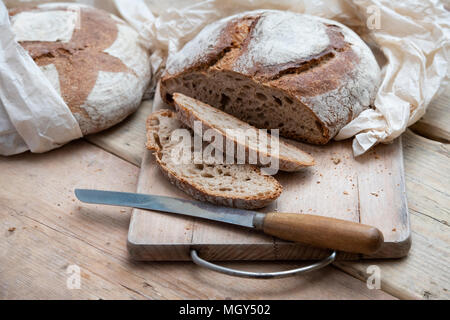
(312, 230)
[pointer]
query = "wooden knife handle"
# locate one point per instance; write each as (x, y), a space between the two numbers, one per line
(321, 232)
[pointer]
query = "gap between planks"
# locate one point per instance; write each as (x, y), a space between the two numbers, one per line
(435, 124)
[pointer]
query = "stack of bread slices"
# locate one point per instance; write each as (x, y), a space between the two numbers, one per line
(238, 183)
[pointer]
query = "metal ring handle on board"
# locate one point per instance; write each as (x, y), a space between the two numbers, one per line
(262, 275)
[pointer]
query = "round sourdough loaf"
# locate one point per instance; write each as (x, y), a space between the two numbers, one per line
(304, 75)
(92, 58)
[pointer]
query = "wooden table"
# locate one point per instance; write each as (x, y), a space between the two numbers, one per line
(44, 230)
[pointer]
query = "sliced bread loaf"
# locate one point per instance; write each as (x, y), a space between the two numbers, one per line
(240, 186)
(289, 158)
(304, 75)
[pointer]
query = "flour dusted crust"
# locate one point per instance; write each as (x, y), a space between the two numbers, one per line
(304, 75)
(92, 58)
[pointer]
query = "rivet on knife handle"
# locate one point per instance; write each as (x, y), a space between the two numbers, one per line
(321, 232)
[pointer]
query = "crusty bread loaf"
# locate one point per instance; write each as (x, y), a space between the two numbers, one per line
(93, 59)
(288, 157)
(240, 186)
(304, 75)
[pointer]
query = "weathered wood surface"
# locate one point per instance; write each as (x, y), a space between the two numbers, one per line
(429, 236)
(370, 189)
(34, 257)
(435, 124)
(425, 273)
(127, 139)
(44, 230)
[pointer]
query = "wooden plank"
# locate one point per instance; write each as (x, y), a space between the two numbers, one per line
(376, 195)
(338, 186)
(425, 273)
(43, 230)
(427, 169)
(127, 139)
(52, 230)
(435, 124)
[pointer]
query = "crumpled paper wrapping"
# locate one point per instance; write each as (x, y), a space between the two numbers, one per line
(415, 39)
(410, 40)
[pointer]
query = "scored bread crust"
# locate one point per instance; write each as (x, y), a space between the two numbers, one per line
(101, 70)
(304, 75)
(201, 192)
(189, 110)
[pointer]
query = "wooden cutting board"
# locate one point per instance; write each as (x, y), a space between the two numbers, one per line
(369, 189)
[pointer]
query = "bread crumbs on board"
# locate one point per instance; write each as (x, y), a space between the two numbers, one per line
(336, 160)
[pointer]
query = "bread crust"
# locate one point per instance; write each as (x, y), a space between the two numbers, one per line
(335, 83)
(86, 69)
(198, 192)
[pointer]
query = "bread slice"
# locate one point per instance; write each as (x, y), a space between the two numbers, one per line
(289, 158)
(239, 186)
